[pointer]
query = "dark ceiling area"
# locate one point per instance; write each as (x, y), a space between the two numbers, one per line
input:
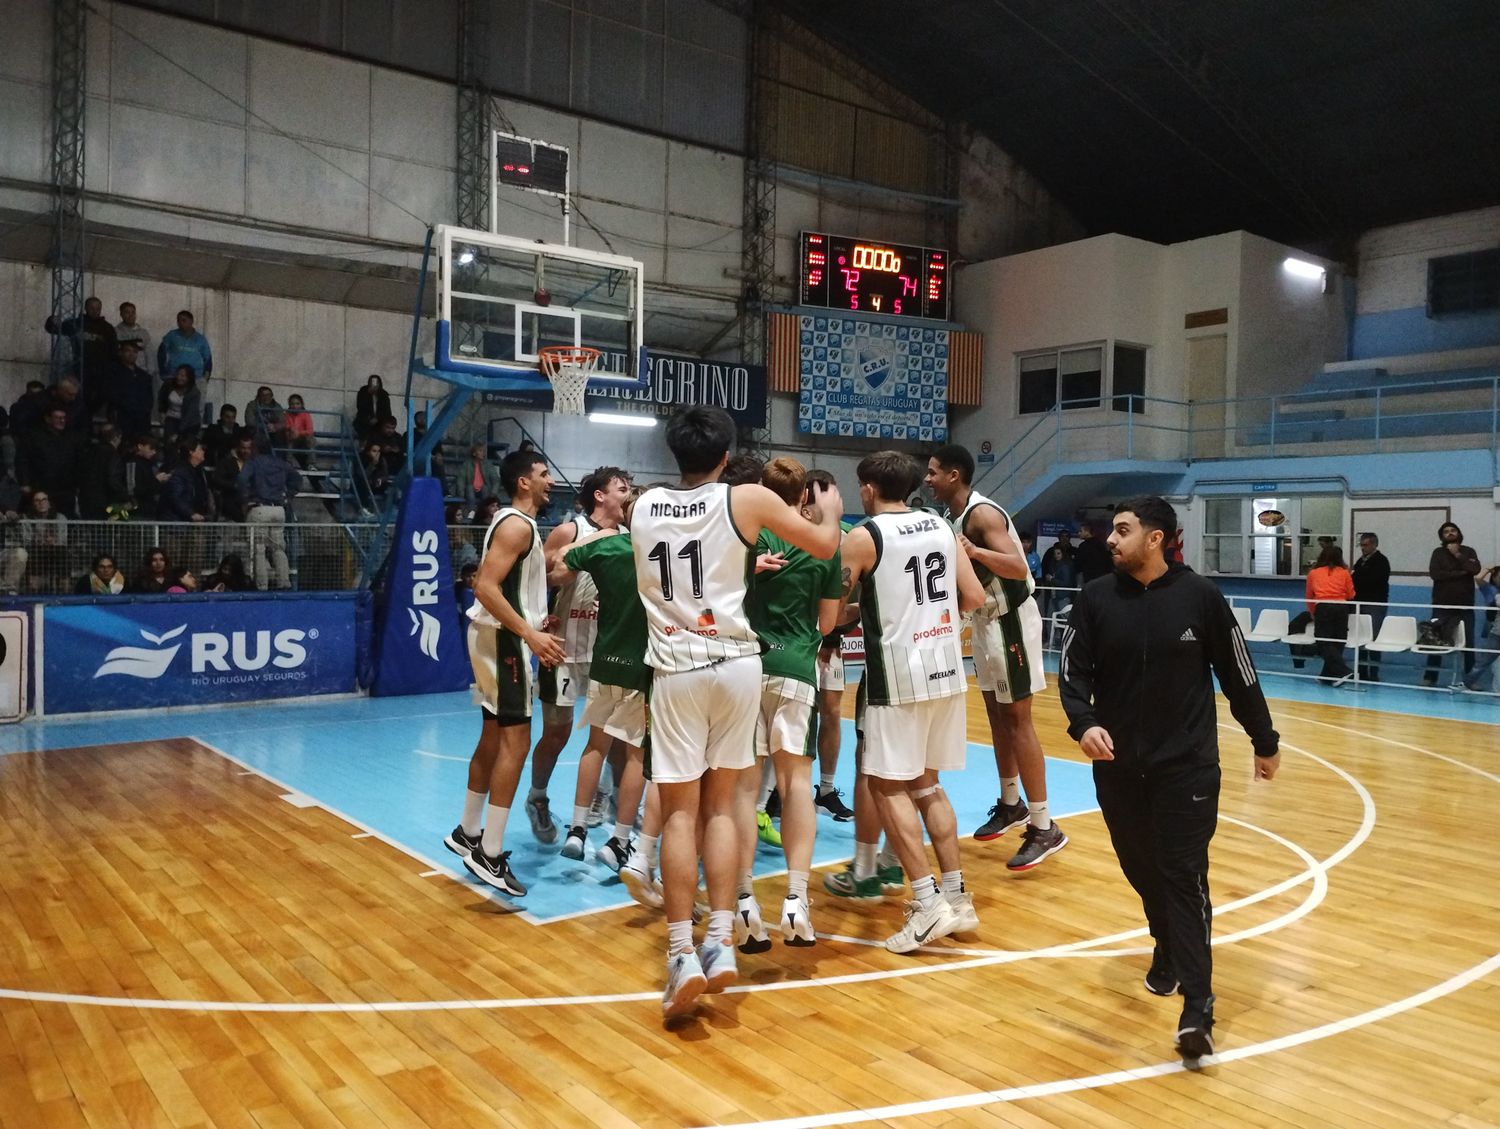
(1306, 121)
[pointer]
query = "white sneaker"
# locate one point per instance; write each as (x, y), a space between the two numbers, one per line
(614, 853)
(922, 926)
(685, 983)
(643, 887)
(719, 966)
(966, 920)
(796, 923)
(749, 930)
(573, 846)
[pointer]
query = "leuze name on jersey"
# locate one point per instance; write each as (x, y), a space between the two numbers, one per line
(921, 525)
(672, 509)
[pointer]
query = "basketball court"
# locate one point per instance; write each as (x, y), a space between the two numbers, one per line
(247, 917)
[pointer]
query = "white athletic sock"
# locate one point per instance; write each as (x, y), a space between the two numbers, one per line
(1040, 819)
(720, 926)
(887, 857)
(494, 830)
(796, 884)
(679, 937)
(473, 812)
(767, 786)
(646, 844)
(580, 816)
(825, 783)
(953, 882)
(1010, 789)
(925, 891)
(864, 860)
(747, 885)
(622, 832)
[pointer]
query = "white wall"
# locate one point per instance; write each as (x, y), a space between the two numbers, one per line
(1288, 327)
(1393, 260)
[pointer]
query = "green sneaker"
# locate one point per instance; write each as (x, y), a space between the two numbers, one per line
(767, 830)
(892, 879)
(844, 885)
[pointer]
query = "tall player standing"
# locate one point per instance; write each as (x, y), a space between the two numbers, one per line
(603, 494)
(914, 585)
(694, 548)
(1007, 641)
(505, 630)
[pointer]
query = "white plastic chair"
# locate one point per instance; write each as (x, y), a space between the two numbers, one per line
(1459, 642)
(1270, 627)
(1059, 625)
(1397, 633)
(1307, 635)
(1242, 617)
(1361, 631)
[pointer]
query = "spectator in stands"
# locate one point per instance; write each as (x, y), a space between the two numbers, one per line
(1453, 567)
(1063, 544)
(93, 342)
(1060, 574)
(145, 476)
(131, 391)
(1033, 558)
(13, 554)
(488, 508)
(102, 579)
(181, 581)
(52, 460)
(180, 404)
(1329, 588)
(419, 432)
(230, 576)
(30, 408)
(65, 395)
(267, 485)
(1090, 556)
(44, 532)
(102, 476)
(481, 477)
(1488, 643)
(219, 440)
(151, 578)
(225, 479)
(371, 405)
(299, 430)
(184, 346)
(371, 485)
(186, 495)
(463, 589)
(1372, 589)
(264, 416)
(128, 329)
(394, 445)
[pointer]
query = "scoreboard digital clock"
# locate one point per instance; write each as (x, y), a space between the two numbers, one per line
(839, 273)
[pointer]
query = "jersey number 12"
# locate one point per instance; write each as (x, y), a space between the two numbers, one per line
(928, 579)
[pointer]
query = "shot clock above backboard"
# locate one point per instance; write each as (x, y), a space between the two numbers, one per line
(840, 273)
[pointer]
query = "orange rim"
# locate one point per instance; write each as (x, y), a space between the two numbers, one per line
(553, 357)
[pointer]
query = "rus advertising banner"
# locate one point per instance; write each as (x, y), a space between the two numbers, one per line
(873, 380)
(187, 651)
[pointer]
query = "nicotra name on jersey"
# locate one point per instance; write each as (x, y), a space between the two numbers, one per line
(669, 509)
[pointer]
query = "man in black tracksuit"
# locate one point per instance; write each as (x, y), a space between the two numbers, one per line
(1135, 682)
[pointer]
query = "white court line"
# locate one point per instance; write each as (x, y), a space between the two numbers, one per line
(361, 835)
(1490, 776)
(431, 873)
(1156, 1070)
(442, 756)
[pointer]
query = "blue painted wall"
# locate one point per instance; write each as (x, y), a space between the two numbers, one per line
(1395, 333)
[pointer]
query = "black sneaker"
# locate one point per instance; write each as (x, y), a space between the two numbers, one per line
(495, 871)
(460, 842)
(833, 803)
(773, 804)
(572, 848)
(1037, 845)
(1195, 1038)
(1002, 818)
(614, 853)
(1160, 981)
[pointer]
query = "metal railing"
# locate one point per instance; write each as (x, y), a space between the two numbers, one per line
(1362, 420)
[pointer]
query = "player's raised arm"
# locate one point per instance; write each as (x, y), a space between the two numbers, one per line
(756, 508)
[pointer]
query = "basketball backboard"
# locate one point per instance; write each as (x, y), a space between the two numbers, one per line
(502, 299)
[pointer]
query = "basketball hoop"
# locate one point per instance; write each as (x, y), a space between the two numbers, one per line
(568, 368)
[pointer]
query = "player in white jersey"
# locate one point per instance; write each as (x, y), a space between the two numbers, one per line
(694, 547)
(913, 585)
(506, 627)
(1007, 642)
(603, 494)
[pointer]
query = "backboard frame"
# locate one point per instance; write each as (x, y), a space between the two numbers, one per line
(522, 373)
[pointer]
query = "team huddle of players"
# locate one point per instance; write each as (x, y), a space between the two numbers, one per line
(718, 598)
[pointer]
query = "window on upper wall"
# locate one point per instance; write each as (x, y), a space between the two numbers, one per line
(1463, 284)
(1127, 381)
(1073, 376)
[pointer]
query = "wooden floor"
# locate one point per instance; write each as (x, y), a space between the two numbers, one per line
(163, 873)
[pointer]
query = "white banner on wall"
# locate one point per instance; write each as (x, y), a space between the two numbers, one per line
(12, 666)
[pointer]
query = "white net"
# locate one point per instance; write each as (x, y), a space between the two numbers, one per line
(569, 371)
